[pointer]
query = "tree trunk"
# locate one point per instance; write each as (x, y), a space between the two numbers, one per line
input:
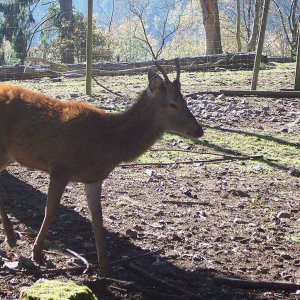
(89, 49)
(211, 22)
(66, 9)
(297, 73)
(238, 26)
(260, 44)
(293, 20)
(255, 26)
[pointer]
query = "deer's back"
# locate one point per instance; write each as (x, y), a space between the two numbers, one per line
(44, 133)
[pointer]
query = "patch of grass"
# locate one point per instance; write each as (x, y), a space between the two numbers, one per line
(256, 202)
(57, 290)
(276, 153)
(294, 238)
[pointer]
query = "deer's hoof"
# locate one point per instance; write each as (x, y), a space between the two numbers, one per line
(38, 256)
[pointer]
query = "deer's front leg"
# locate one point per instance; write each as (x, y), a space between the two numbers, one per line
(56, 188)
(93, 194)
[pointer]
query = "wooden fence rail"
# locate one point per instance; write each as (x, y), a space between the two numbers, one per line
(234, 61)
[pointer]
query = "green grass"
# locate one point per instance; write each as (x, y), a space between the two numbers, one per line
(277, 152)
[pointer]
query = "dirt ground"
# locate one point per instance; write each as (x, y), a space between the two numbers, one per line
(232, 218)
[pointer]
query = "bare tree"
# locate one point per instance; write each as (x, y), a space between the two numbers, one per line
(211, 22)
(140, 10)
(290, 18)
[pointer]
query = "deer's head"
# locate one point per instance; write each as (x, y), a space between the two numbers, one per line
(172, 110)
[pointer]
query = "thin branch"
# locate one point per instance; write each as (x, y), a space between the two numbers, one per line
(188, 203)
(126, 260)
(87, 265)
(141, 272)
(255, 284)
(36, 4)
(48, 271)
(37, 29)
(283, 22)
(139, 13)
(146, 40)
(190, 162)
(107, 89)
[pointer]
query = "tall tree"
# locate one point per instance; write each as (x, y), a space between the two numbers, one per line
(66, 23)
(211, 22)
(238, 26)
(255, 26)
(15, 26)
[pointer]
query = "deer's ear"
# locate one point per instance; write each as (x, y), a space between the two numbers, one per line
(155, 81)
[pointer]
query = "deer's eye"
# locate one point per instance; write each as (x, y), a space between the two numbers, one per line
(172, 105)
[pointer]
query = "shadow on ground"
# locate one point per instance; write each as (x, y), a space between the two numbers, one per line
(26, 205)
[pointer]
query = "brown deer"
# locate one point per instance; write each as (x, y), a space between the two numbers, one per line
(77, 142)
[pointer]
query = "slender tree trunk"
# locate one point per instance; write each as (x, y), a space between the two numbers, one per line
(238, 26)
(211, 22)
(297, 73)
(89, 49)
(255, 26)
(66, 9)
(260, 45)
(293, 20)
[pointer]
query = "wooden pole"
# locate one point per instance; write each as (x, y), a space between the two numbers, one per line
(260, 44)
(297, 73)
(89, 49)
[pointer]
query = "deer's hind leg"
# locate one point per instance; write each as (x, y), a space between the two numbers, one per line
(7, 226)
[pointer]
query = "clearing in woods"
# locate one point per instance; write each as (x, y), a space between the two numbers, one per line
(233, 218)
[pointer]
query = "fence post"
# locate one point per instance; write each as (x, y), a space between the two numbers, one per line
(260, 44)
(89, 49)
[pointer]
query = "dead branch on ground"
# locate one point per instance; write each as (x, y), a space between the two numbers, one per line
(141, 272)
(256, 284)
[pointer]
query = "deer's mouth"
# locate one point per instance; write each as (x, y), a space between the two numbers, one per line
(195, 134)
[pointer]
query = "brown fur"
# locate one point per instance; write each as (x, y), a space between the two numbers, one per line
(75, 141)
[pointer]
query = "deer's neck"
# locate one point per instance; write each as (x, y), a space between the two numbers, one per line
(137, 128)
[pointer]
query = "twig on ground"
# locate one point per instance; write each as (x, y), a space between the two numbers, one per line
(130, 286)
(256, 284)
(107, 89)
(185, 202)
(187, 151)
(47, 271)
(161, 282)
(86, 263)
(190, 162)
(126, 260)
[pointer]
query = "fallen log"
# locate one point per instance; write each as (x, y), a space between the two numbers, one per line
(24, 72)
(53, 66)
(229, 61)
(229, 58)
